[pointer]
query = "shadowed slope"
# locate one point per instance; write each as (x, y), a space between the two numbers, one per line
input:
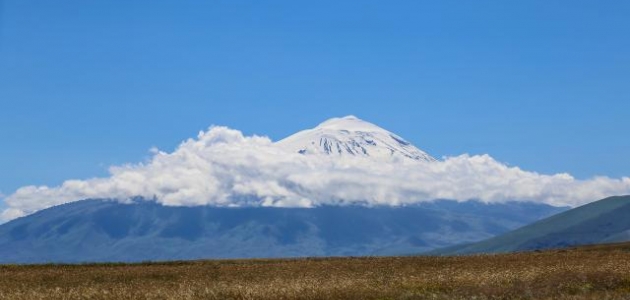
(603, 221)
(100, 230)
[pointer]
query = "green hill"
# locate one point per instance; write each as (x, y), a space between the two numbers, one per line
(603, 221)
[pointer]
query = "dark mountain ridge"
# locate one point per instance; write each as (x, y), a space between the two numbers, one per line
(106, 230)
(603, 221)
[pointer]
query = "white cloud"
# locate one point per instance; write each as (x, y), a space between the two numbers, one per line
(222, 167)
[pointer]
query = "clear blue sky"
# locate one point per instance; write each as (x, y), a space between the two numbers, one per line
(544, 85)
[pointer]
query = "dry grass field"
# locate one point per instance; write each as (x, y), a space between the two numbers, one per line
(600, 272)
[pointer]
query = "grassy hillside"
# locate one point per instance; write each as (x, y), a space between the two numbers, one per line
(598, 272)
(602, 221)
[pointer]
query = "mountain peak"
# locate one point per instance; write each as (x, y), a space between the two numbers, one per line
(348, 123)
(350, 136)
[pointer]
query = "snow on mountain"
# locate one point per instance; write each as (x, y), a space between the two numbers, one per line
(342, 161)
(352, 137)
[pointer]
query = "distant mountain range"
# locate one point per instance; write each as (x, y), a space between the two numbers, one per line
(603, 221)
(104, 230)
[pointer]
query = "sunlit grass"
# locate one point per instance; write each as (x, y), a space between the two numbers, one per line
(601, 272)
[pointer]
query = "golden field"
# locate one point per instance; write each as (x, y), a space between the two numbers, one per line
(597, 272)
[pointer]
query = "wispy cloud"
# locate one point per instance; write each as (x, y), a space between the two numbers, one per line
(222, 167)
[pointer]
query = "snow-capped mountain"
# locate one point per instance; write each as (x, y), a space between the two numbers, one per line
(142, 228)
(351, 136)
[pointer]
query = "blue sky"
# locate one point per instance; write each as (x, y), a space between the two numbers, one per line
(538, 84)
